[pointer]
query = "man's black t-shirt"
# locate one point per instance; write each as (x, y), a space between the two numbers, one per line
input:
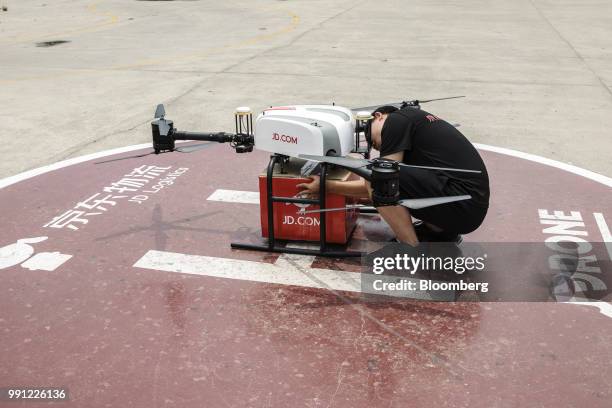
(430, 141)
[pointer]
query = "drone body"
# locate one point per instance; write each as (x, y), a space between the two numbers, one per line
(320, 130)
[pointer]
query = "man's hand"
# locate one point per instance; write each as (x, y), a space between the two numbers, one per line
(351, 188)
(311, 189)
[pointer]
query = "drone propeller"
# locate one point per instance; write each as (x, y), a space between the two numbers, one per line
(352, 163)
(440, 99)
(347, 162)
(415, 102)
(412, 203)
(124, 158)
(160, 112)
(418, 203)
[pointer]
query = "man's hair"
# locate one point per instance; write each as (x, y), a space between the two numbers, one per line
(385, 109)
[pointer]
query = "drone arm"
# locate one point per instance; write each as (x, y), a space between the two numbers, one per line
(165, 134)
(241, 142)
(220, 137)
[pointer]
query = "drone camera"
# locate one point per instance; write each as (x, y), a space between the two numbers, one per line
(385, 182)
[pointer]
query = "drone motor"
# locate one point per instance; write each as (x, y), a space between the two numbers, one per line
(385, 182)
(162, 135)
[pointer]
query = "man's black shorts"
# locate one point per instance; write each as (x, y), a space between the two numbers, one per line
(460, 217)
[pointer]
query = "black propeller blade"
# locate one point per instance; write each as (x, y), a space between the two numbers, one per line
(160, 112)
(124, 158)
(352, 163)
(418, 203)
(415, 102)
(412, 203)
(440, 99)
(372, 107)
(347, 162)
(440, 168)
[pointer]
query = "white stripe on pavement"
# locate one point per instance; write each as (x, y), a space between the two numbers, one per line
(235, 196)
(605, 232)
(605, 308)
(282, 273)
(288, 270)
(292, 270)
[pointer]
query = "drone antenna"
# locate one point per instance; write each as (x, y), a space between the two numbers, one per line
(160, 112)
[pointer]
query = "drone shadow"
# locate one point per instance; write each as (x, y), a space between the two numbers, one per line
(159, 227)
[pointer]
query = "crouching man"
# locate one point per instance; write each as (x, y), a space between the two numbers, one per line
(413, 136)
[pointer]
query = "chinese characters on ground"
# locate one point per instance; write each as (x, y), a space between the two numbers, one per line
(127, 187)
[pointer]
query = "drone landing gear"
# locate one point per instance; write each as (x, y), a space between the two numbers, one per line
(272, 246)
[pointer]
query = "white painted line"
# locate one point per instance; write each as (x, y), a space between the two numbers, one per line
(605, 232)
(600, 178)
(235, 196)
(5, 182)
(282, 273)
(69, 162)
(605, 308)
(291, 270)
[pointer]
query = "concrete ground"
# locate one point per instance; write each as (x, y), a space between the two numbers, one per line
(140, 301)
(537, 74)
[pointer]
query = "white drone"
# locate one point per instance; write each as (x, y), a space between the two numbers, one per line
(315, 133)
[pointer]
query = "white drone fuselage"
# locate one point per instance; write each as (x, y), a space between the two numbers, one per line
(305, 129)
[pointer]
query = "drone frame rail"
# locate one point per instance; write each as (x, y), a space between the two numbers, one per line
(324, 247)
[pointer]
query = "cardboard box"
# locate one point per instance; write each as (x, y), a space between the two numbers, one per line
(289, 223)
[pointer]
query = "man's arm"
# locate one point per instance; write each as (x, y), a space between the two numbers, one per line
(352, 188)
